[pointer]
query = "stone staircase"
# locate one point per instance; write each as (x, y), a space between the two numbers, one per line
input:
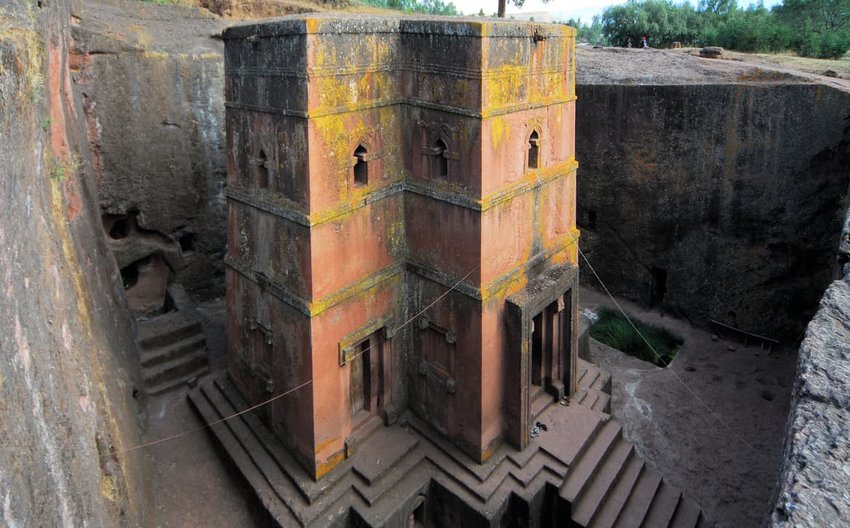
(172, 346)
(594, 387)
(579, 471)
(609, 485)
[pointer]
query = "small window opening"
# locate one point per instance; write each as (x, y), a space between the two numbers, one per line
(120, 229)
(533, 150)
(659, 286)
(262, 171)
(591, 219)
(361, 166)
(440, 161)
(187, 243)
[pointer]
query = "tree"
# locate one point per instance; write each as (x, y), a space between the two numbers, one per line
(592, 34)
(431, 7)
(719, 8)
(752, 29)
(660, 20)
(822, 27)
(518, 3)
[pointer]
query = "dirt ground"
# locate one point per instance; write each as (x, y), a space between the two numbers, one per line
(713, 422)
(193, 485)
(632, 66)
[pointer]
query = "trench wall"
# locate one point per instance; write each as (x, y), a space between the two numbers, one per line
(739, 193)
(813, 484)
(717, 201)
(67, 375)
(151, 80)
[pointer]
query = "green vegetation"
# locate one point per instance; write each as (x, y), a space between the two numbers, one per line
(519, 3)
(430, 7)
(615, 331)
(59, 170)
(812, 28)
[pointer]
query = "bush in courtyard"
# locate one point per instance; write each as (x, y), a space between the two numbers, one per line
(615, 331)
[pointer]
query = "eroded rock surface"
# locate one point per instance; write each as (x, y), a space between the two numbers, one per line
(816, 474)
(68, 357)
(152, 81)
(711, 187)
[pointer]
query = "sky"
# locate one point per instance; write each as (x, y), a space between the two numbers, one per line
(559, 9)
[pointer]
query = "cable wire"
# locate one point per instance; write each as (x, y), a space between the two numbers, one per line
(651, 348)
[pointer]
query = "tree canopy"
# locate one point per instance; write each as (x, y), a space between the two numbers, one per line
(431, 7)
(814, 28)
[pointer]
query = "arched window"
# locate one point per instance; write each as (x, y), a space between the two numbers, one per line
(533, 150)
(440, 163)
(361, 166)
(261, 171)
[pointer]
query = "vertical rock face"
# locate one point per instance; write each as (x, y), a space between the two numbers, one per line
(717, 201)
(151, 81)
(814, 482)
(66, 380)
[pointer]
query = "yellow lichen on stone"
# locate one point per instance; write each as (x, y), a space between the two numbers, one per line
(499, 130)
(505, 85)
(108, 488)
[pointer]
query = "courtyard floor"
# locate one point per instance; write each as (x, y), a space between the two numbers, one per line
(193, 484)
(713, 422)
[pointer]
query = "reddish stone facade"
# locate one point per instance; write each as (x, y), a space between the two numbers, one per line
(401, 199)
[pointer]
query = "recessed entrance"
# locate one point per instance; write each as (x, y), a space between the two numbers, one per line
(366, 384)
(549, 354)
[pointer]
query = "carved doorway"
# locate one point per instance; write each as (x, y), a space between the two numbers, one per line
(549, 356)
(366, 386)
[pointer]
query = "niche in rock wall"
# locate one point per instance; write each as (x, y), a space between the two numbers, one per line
(187, 243)
(119, 227)
(658, 287)
(145, 285)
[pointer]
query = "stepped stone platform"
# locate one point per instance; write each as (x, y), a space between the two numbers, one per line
(172, 346)
(578, 471)
(594, 387)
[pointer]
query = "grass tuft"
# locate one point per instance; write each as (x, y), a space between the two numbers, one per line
(615, 331)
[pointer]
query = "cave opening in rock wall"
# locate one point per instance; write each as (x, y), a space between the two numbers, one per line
(658, 286)
(187, 243)
(120, 229)
(145, 285)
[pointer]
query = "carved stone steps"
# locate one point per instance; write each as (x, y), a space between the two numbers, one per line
(607, 514)
(229, 442)
(592, 377)
(594, 387)
(663, 506)
(581, 472)
(174, 373)
(580, 465)
(606, 475)
(166, 329)
(640, 499)
(172, 346)
(602, 403)
(623, 490)
(687, 515)
(153, 357)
